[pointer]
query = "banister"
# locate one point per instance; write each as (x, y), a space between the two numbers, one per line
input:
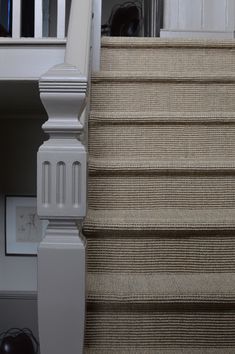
(38, 18)
(16, 19)
(61, 192)
(61, 8)
(96, 34)
(79, 35)
(59, 17)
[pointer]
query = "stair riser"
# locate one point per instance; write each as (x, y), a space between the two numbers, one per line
(156, 329)
(165, 96)
(168, 59)
(154, 191)
(162, 254)
(162, 141)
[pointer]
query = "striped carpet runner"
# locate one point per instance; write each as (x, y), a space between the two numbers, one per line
(160, 227)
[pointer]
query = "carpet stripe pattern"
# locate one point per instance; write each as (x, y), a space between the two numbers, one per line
(160, 226)
(176, 56)
(184, 252)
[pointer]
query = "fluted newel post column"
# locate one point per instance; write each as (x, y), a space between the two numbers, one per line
(61, 194)
(199, 18)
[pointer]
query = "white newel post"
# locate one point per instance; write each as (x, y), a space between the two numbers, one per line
(199, 18)
(61, 194)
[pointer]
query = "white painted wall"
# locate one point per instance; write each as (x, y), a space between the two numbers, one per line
(199, 16)
(20, 139)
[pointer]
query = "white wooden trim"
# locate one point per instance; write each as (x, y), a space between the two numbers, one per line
(16, 18)
(38, 19)
(166, 14)
(61, 290)
(171, 13)
(196, 34)
(34, 57)
(214, 15)
(96, 34)
(18, 295)
(195, 16)
(79, 32)
(230, 23)
(61, 10)
(31, 41)
(189, 14)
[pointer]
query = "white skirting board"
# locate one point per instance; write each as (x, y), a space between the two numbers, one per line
(164, 33)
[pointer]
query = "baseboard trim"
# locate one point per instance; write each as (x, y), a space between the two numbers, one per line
(22, 295)
(168, 33)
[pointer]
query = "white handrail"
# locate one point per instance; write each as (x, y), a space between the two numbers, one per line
(96, 34)
(79, 35)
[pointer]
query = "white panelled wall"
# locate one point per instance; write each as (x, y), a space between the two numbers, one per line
(199, 18)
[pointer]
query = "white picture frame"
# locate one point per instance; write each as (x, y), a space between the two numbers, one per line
(23, 228)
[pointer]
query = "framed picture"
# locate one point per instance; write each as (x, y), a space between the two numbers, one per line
(23, 228)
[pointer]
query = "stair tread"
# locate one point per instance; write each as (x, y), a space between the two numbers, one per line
(153, 165)
(170, 76)
(143, 42)
(205, 350)
(161, 287)
(159, 219)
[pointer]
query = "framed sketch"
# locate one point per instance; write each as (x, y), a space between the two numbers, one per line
(23, 228)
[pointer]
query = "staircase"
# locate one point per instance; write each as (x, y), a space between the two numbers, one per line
(161, 213)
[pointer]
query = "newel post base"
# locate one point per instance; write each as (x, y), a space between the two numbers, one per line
(61, 288)
(61, 199)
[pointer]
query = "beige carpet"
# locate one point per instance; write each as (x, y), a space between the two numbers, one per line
(161, 211)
